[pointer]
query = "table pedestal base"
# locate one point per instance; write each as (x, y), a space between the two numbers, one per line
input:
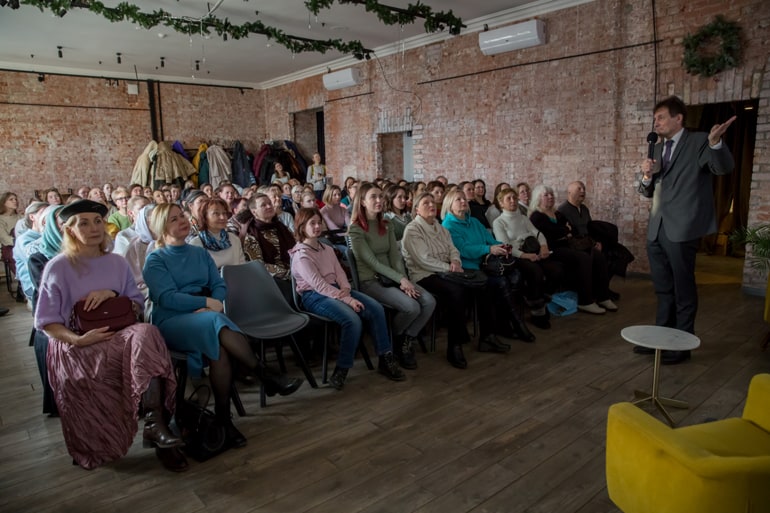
(654, 397)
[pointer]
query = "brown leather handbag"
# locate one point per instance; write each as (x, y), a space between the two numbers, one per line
(115, 313)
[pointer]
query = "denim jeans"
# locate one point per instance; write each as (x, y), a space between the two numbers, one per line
(351, 322)
(411, 314)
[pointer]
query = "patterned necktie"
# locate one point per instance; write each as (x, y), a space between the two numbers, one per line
(666, 155)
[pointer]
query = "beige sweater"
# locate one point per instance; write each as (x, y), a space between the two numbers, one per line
(427, 249)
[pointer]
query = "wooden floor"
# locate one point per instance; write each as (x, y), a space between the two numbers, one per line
(512, 433)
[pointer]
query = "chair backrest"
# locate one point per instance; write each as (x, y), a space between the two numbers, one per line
(252, 293)
(353, 268)
(295, 295)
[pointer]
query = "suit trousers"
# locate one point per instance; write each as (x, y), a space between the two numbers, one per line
(672, 265)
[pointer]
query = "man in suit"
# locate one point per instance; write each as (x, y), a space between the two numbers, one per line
(679, 180)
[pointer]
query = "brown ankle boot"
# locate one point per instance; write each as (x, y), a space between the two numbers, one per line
(156, 431)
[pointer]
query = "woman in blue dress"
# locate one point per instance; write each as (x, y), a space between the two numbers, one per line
(187, 294)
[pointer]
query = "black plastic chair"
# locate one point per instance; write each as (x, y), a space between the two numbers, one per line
(255, 303)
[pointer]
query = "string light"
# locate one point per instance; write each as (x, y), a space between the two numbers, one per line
(162, 62)
(119, 59)
(61, 55)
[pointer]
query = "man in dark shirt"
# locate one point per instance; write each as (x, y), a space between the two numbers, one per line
(575, 211)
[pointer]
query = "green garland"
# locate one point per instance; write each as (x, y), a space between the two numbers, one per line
(224, 28)
(434, 22)
(729, 53)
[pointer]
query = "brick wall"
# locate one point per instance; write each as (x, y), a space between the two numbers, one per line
(68, 132)
(195, 114)
(72, 131)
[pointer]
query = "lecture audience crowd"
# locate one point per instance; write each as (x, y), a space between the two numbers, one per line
(377, 256)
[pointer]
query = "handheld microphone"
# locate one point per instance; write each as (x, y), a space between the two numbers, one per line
(652, 138)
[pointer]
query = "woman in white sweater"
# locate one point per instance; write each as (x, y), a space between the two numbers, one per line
(513, 228)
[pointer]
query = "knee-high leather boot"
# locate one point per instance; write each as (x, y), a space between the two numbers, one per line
(155, 429)
(520, 329)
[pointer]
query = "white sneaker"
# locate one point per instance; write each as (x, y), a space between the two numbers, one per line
(608, 305)
(593, 308)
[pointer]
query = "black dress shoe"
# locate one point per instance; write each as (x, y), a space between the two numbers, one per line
(3, 311)
(279, 384)
(521, 331)
(234, 437)
(643, 350)
(613, 295)
(541, 321)
(490, 344)
(172, 459)
(455, 356)
(674, 357)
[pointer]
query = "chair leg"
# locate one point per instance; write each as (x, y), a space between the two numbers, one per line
(365, 354)
(262, 393)
(279, 355)
(325, 362)
(302, 362)
(236, 398)
(181, 379)
(433, 333)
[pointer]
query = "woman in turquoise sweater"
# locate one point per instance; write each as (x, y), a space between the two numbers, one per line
(474, 242)
(378, 256)
(187, 294)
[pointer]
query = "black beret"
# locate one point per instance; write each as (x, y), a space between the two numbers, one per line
(82, 207)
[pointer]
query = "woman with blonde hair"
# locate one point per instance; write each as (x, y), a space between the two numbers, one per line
(100, 376)
(475, 244)
(188, 310)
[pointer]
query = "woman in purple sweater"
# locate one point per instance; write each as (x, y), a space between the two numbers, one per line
(99, 377)
(325, 291)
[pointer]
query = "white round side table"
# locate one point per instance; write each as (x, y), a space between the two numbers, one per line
(659, 338)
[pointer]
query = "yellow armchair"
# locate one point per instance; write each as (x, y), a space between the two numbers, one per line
(717, 467)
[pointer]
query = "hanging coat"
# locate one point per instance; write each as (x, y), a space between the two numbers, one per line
(263, 152)
(143, 166)
(219, 166)
(170, 167)
(240, 171)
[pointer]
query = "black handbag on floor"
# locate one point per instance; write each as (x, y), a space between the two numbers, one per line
(203, 434)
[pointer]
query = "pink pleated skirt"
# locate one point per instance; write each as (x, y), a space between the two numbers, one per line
(98, 390)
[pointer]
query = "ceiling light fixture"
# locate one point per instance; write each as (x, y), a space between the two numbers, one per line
(59, 48)
(120, 61)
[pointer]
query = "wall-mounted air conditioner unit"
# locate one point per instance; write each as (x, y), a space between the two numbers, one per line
(512, 37)
(342, 78)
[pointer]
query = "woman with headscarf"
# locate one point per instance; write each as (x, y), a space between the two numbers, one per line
(138, 249)
(48, 247)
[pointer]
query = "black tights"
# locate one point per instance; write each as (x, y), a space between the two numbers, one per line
(232, 345)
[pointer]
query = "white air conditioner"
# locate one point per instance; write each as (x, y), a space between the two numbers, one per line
(512, 37)
(342, 78)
